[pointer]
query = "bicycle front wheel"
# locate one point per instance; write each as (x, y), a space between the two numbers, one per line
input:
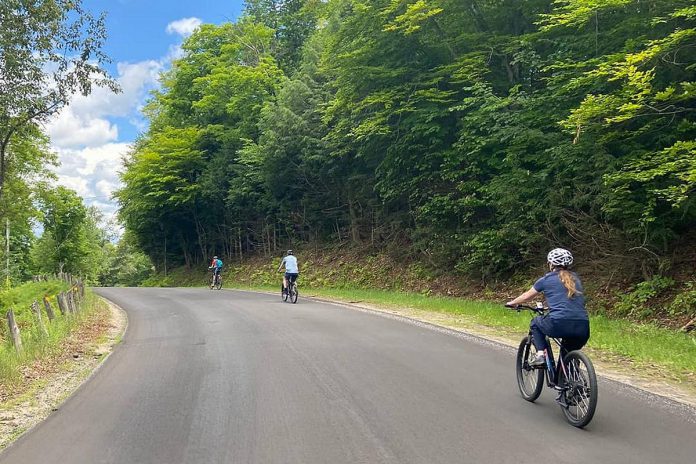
(530, 380)
(294, 293)
(580, 389)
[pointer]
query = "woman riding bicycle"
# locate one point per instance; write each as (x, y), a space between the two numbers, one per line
(216, 267)
(567, 317)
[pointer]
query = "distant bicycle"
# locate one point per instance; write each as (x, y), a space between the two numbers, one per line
(292, 293)
(573, 377)
(215, 281)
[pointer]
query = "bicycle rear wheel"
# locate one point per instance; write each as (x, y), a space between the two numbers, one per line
(293, 293)
(218, 283)
(580, 384)
(530, 380)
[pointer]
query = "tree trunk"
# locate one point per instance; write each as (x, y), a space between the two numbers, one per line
(354, 224)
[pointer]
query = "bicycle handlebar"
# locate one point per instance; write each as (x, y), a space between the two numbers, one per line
(519, 307)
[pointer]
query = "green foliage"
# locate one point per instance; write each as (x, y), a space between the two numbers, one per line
(35, 343)
(637, 302)
(27, 174)
(72, 240)
(125, 265)
(684, 304)
(471, 135)
(49, 50)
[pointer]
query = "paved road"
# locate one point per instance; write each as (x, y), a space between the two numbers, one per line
(237, 377)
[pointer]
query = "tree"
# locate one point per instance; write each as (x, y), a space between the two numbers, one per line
(72, 240)
(28, 174)
(49, 50)
(472, 134)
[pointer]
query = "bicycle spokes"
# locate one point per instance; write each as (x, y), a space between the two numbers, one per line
(578, 390)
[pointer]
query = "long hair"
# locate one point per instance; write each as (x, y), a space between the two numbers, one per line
(568, 281)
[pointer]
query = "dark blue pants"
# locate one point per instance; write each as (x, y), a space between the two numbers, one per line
(574, 333)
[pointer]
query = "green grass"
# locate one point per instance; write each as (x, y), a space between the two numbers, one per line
(644, 345)
(35, 344)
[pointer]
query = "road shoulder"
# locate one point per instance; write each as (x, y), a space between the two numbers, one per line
(614, 368)
(49, 385)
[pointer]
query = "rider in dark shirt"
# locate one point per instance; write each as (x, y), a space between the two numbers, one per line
(567, 317)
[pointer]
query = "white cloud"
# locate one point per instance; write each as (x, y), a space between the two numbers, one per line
(85, 134)
(71, 129)
(78, 184)
(184, 27)
(86, 138)
(135, 80)
(93, 173)
(106, 188)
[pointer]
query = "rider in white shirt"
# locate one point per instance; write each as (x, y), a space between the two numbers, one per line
(291, 269)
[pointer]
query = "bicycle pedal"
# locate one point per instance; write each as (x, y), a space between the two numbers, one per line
(562, 401)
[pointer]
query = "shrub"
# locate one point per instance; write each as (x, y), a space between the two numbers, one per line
(637, 302)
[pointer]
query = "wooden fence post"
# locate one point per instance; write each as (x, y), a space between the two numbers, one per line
(14, 331)
(37, 311)
(78, 295)
(49, 310)
(62, 305)
(71, 301)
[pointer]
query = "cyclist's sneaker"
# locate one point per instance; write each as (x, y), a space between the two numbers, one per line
(539, 360)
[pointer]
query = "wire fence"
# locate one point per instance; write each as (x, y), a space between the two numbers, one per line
(69, 303)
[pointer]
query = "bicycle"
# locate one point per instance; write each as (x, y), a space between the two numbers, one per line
(215, 281)
(292, 293)
(572, 376)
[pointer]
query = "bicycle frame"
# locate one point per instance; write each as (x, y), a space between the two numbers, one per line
(215, 277)
(553, 368)
(577, 391)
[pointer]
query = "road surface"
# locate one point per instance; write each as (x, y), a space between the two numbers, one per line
(239, 377)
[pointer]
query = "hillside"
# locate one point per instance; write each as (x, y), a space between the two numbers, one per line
(661, 300)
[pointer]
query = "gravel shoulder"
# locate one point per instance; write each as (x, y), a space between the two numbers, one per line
(50, 382)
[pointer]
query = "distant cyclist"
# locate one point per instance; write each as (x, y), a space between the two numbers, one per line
(291, 270)
(567, 317)
(216, 266)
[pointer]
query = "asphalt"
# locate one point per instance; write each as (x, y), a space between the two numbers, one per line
(238, 377)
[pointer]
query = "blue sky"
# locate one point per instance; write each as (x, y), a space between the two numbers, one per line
(93, 133)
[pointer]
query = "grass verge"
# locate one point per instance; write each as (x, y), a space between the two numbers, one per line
(48, 380)
(37, 346)
(652, 349)
(633, 349)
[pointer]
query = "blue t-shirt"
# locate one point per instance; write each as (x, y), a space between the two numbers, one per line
(560, 306)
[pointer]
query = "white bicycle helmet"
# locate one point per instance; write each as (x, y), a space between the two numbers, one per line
(560, 257)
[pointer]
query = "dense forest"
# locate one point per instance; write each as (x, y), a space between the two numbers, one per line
(467, 134)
